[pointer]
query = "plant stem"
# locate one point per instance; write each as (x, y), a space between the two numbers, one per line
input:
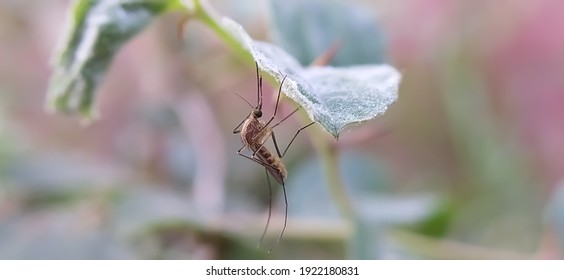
(330, 158)
(335, 182)
(204, 12)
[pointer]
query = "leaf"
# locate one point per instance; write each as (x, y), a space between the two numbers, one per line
(59, 173)
(95, 32)
(143, 208)
(368, 186)
(333, 97)
(310, 197)
(373, 241)
(58, 234)
(307, 29)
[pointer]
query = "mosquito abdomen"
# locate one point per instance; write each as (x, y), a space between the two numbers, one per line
(276, 167)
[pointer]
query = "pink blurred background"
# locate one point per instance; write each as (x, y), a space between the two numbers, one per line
(480, 116)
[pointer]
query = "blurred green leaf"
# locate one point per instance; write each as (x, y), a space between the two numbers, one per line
(373, 241)
(333, 97)
(368, 185)
(367, 182)
(95, 32)
(437, 224)
(309, 196)
(57, 234)
(377, 214)
(307, 29)
(142, 209)
(398, 210)
(54, 172)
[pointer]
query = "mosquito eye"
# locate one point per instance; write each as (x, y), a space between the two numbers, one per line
(257, 113)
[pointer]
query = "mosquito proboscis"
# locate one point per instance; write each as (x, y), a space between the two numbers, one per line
(254, 134)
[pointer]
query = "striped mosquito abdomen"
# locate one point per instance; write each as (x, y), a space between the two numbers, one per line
(275, 165)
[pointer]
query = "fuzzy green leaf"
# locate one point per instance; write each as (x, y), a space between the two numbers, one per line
(333, 97)
(95, 32)
(307, 29)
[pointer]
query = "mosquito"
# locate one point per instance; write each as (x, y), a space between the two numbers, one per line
(254, 134)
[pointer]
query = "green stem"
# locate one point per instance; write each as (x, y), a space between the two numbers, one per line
(335, 182)
(204, 12)
(330, 158)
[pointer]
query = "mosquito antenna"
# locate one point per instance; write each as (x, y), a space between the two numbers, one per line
(269, 209)
(243, 98)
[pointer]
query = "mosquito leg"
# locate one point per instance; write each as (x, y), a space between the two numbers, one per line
(293, 138)
(269, 200)
(285, 219)
(276, 145)
(285, 118)
(252, 158)
(265, 164)
(278, 98)
(239, 151)
(281, 155)
(274, 137)
(266, 124)
(269, 208)
(276, 106)
(237, 128)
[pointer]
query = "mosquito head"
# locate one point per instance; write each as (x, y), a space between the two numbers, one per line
(257, 113)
